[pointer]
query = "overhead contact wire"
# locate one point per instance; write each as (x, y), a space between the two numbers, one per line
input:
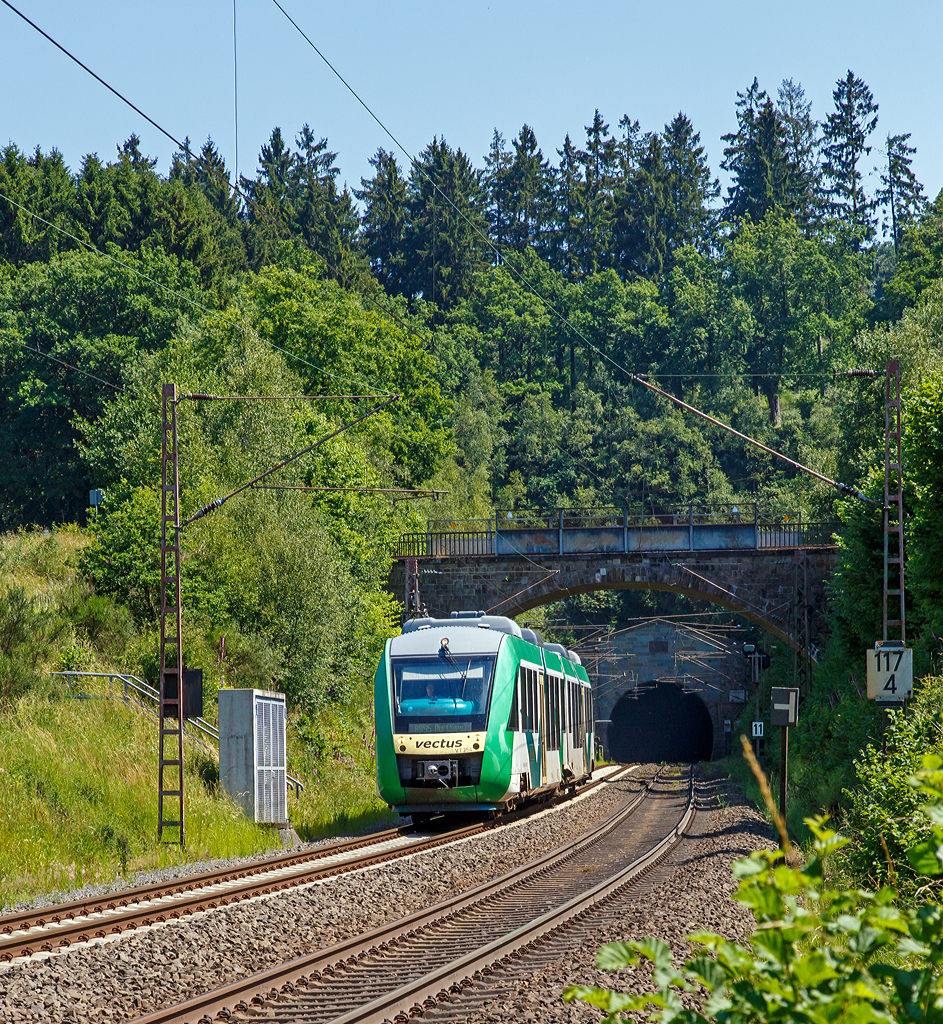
(98, 78)
(186, 149)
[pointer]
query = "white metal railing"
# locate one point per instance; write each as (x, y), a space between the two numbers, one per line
(136, 692)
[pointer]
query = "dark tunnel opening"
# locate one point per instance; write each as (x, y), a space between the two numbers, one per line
(660, 722)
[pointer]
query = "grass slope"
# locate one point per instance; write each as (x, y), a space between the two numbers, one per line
(78, 778)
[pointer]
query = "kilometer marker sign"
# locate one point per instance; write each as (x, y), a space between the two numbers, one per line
(890, 673)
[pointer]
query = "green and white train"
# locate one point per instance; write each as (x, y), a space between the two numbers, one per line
(475, 714)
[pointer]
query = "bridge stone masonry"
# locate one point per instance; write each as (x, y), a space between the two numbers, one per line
(772, 573)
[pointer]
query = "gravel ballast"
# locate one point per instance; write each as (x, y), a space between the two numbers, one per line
(124, 978)
(691, 892)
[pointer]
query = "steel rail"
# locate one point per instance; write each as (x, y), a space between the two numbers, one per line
(98, 917)
(240, 994)
(437, 982)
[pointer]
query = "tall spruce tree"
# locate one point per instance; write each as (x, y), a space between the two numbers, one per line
(42, 183)
(384, 220)
(756, 159)
(845, 144)
(900, 194)
(497, 186)
(599, 160)
(800, 134)
(324, 217)
(446, 230)
(269, 212)
(690, 189)
(642, 203)
(207, 171)
(530, 195)
(570, 191)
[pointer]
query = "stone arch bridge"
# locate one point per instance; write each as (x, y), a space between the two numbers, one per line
(772, 573)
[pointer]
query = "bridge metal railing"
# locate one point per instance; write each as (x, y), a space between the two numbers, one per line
(612, 530)
(145, 699)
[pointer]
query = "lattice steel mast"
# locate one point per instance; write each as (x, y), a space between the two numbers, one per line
(893, 505)
(170, 786)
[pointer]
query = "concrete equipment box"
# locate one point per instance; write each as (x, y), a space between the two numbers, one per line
(253, 754)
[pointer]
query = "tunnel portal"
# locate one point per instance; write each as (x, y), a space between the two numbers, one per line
(660, 722)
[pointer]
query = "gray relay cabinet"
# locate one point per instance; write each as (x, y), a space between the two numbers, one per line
(252, 753)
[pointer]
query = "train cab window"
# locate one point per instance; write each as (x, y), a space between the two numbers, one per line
(434, 695)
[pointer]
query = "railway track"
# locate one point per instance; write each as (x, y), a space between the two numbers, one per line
(28, 932)
(398, 968)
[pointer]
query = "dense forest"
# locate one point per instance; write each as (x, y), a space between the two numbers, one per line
(504, 302)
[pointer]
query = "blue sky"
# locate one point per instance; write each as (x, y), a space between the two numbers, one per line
(453, 69)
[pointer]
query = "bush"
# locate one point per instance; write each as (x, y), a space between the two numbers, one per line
(883, 819)
(818, 955)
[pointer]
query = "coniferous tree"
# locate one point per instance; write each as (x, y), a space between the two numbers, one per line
(446, 231)
(207, 171)
(756, 159)
(323, 216)
(269, 211)
(497, 185)
(800, 144)
(845, 136)
(639, 231)
(529, 194)
(599, 161)
(295, 196)
(41, 183)
(688, 219)
(384, 220)
(901, 195)
(570, 189)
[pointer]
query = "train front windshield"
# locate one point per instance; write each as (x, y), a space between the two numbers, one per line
(440, 695)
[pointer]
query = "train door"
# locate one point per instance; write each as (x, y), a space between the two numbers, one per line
(566, 747)
(543, 723)
(577, 763)
(553, 730)
(527, 700)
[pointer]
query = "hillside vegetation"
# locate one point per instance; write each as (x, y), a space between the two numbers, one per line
(78, 777)
(505, 306)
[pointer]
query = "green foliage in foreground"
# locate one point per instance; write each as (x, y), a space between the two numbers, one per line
(818, 954)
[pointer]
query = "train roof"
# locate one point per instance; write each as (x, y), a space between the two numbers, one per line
(460, 624)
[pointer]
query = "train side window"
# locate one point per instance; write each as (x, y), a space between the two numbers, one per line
(556, 712)
(514, 718)
(532, 691)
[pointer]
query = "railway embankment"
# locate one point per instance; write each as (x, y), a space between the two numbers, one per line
(78, 802)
